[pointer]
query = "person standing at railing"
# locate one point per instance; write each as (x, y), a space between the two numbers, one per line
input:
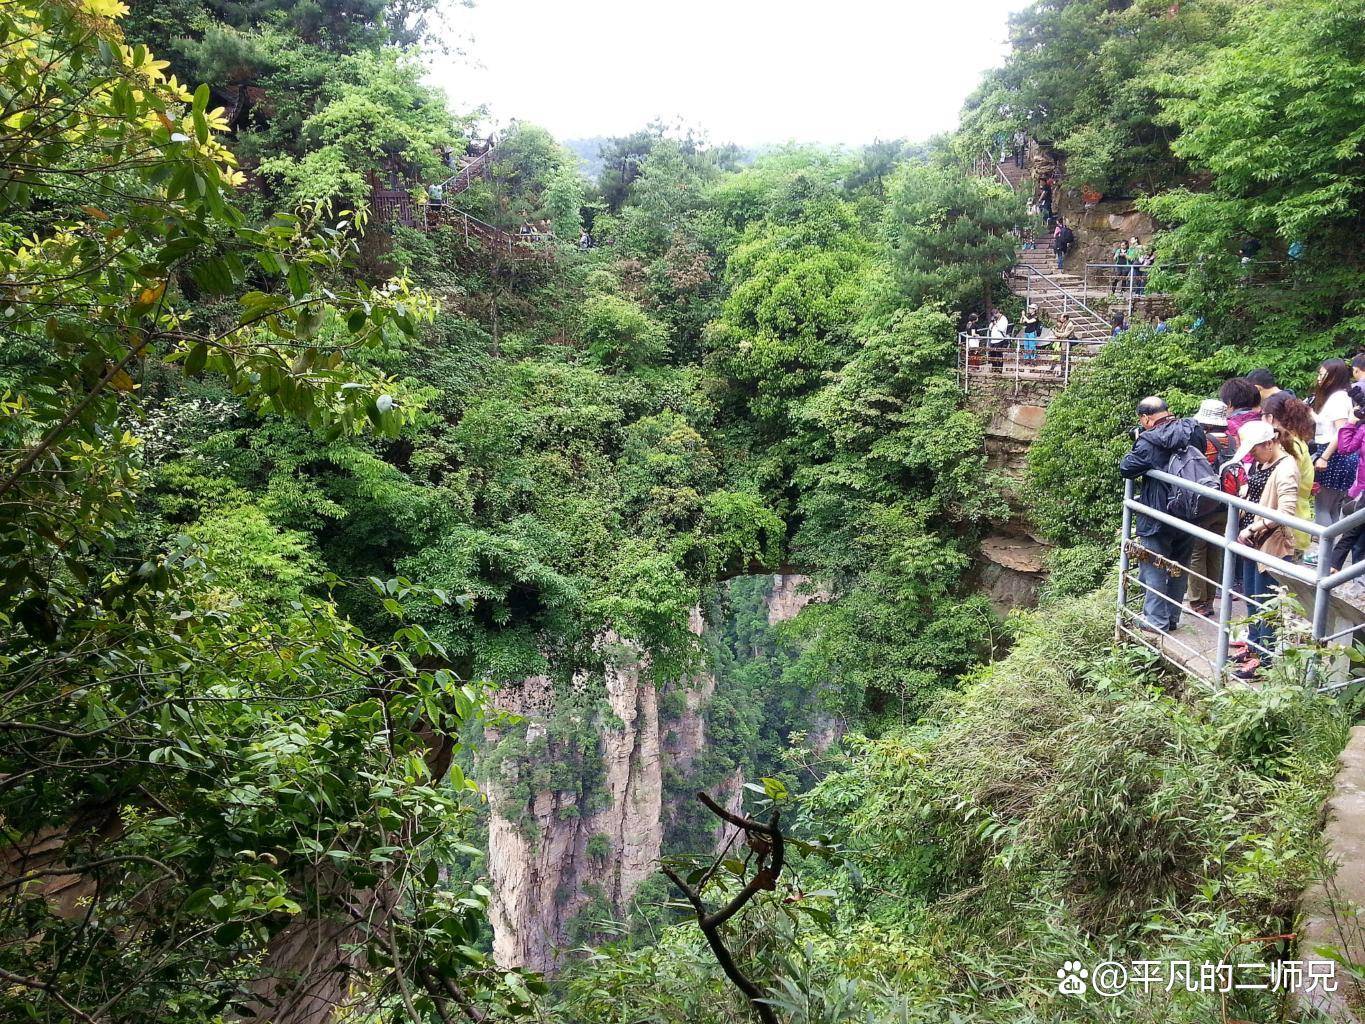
(1032, 329)
(1243, 402)
(1293, 421)
(1159, 437)
(1120, 266)
(1020, 147)
(1351, 440)
(997, 340)
(1273, 482)
(1206, 560)
(1335, 471)
(1268, 384)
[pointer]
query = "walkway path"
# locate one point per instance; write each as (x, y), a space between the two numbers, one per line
(396, 205)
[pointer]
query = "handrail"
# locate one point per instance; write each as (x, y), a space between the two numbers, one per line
(1307, 526)
(1080, 303)
(1319, 578)
(1040, 365)
(999, 169)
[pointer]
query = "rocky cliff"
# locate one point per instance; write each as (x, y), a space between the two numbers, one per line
(572, 837)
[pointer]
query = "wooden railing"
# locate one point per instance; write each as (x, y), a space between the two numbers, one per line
(398, 206)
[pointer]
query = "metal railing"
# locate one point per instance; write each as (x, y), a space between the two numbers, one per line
(987, 166)
(1314, 585)
(1071, 302)
(1125, 280)
(1018, 358)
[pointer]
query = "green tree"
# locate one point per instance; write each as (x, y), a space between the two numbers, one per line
(950, 236)
(207, 789)
(1273, 119)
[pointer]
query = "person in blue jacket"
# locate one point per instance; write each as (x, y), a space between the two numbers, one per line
(1159, 436)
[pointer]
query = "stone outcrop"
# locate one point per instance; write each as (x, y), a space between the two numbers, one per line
(1010, 570)
(790, 593)
(555, 856)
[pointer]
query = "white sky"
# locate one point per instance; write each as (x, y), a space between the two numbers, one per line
(746, 71)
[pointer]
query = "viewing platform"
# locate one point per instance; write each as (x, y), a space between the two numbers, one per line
(1318, 615)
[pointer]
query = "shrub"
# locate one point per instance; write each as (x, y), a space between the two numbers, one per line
(1073, 491)
(620, 335)
(1074, 571)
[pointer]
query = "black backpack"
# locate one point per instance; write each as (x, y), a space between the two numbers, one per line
(1190, 463)
(1067, 237)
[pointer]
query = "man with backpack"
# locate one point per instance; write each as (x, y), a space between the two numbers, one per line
(1163, 442)
(1206, 560)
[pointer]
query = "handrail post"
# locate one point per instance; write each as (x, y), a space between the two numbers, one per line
(1125, 529)
(1225, 597)
(1132, 277)
(1322, 597)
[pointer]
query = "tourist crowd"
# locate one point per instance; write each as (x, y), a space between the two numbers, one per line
(1259, 441)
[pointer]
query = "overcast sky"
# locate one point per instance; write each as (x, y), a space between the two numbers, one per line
(747, 71)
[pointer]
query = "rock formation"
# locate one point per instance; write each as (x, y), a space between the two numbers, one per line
(559, 860)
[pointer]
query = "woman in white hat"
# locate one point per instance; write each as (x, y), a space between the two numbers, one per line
(1272, 482)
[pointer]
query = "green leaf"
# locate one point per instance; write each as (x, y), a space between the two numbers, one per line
(298, 280)
(198, 356)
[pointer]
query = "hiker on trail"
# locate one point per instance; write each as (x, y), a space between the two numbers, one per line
(1251, 245)
(1119, 324)
(997, 340)
(1062, 240)
(1020, 147)
(1335, 471)
(1351, 440)
(1161, 325)
(1045, 200)
(1159, 437)
(1206, 560)
(1065, 329)
(1243, 402)
(1032, 328)
(584, 239)
(1293, 421)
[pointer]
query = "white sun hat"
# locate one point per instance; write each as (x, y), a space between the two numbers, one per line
(1252, 433)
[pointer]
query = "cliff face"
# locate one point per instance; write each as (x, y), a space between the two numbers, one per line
(559, 861)
(558, 856)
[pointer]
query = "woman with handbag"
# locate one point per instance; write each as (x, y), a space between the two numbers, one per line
(1334, 471)
(1273, 482)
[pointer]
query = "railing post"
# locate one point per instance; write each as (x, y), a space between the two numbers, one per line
(1124, 530)
(1132, 277)
(1322, 597)
(1225, 596)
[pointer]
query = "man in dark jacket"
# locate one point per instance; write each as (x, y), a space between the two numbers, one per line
(1160, 436)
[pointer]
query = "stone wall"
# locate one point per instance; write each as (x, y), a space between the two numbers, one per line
(1332, 924)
